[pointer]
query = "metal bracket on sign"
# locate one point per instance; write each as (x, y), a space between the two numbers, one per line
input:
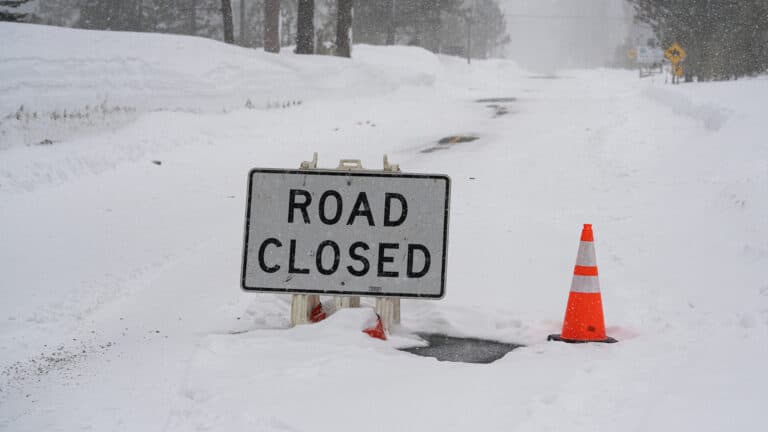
(303, 304)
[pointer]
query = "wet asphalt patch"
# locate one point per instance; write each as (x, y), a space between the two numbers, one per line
(464, 350)
(447, 142)
(496, 100)
(456, 139)
(498, 110)
(497, 104)
(546, 77)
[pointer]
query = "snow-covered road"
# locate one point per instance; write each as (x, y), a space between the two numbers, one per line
(120, 306)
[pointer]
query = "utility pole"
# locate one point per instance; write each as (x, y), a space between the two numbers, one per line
(470, 18)
(469, 40)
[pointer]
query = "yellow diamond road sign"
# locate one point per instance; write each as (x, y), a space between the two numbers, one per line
(675, 53)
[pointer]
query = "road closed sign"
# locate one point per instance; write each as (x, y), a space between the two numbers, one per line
(346, 233)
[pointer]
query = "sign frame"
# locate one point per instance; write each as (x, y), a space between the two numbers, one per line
(647, 56)
(347, 173)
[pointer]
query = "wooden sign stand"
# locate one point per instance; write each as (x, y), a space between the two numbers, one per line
(387, 308)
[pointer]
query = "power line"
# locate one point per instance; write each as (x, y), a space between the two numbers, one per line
(585, 17)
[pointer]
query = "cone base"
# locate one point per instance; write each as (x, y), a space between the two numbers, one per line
(556, 337)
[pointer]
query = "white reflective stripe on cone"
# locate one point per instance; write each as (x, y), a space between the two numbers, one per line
(585, 284)
(586, 256)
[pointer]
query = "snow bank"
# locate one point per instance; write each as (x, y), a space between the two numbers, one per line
(89, 78)
(711, 116)
(153, 71)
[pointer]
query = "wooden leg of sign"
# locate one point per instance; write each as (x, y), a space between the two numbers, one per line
(347, 302)
(301, 307)
(388, 309)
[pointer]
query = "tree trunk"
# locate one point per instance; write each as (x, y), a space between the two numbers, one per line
(272, 26)
(391, 25)
(343, 24)
(243, 35)
(192, 17)
(226, 13)
(305, 27)
(139, 13)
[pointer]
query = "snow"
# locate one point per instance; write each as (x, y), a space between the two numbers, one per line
(120, 306)
(115, 74)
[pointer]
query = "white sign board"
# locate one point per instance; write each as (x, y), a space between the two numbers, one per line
(649, 56)
(346, 233)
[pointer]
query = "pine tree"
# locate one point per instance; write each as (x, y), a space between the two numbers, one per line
(373, 21)
(9, 10)
(723, 39)
(62, 13)
(209, 20)
(437, 25)
(490, 30)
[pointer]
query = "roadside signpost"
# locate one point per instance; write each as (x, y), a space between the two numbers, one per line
(675, 54)
(649, 55)
(346, 232)
(648, 58)
(679, 71)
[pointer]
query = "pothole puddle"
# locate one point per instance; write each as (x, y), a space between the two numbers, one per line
(464, 350)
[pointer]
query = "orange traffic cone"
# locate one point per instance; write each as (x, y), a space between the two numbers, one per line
(317, 314)
(376, 331)
(584, 314)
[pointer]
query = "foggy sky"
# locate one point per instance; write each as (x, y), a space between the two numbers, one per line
(547, 35)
